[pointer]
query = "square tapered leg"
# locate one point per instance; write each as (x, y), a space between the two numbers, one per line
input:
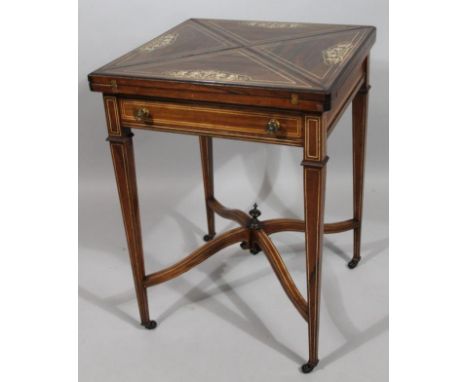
(314, 200)
(360, 103)
(206, 151)
(121, 146)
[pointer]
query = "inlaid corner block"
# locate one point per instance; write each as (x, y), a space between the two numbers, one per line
(250, 81)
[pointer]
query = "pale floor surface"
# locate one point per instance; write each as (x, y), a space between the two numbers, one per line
(228, 319)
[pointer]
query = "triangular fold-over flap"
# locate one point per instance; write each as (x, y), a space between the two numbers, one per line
(185, 40)
(318, 58)
(235, 66)
(257, 32)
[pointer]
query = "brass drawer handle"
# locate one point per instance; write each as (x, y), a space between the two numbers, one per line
(273, 126)
(142, 114)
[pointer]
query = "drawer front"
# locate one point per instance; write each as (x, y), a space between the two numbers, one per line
(271, 127)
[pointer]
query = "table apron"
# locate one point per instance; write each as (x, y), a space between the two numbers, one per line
(213, 121)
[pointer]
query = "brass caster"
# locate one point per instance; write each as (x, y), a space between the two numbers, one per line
(208, 237)
(255, 249)
(353, 263)
(308, 367)
(150, 325)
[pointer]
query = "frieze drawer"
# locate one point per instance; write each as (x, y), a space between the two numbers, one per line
(256, 125)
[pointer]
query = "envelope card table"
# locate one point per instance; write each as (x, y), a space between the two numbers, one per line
(283, 83)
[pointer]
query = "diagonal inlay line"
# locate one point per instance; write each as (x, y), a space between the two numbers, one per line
(285, 72)
(288, 78)
(261, 50)
(235, 38)
(264, 57)
(289, 69)
(229, 45)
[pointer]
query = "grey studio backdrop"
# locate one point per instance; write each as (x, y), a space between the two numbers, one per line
(228, 319)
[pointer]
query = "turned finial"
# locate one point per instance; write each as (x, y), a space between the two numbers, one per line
(255, 212)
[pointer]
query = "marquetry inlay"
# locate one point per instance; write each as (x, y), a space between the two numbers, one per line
(336, 53)
(283, 83)
(160, 42)
(112, 115)
(313, 149)
(207, 75)
(291, 57)
(271, 25)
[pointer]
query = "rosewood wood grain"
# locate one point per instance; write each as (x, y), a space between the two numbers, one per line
(281, 272)
(224, 240)
(206, 154)
(360, 104)
(272, 82)
(124, 165)
(217, 121)
(202, 60)
(232, 95)
(314, 169)
(122, 156)
(280, 225)
(339, 227)
(345, 96)
(237, 215)
(314, 202)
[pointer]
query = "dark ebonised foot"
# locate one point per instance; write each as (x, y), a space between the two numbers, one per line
(208, 237)
(308, 367)
(353, 263)
(150, 324)
(255, 249)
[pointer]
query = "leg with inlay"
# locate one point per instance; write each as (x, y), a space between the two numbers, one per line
(314, 197)
(360, 102)
(124, 166)
(121, 147)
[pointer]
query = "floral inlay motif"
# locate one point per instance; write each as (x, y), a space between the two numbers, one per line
(207, 75)
(336, 53)
(271, 24)
(160, 42)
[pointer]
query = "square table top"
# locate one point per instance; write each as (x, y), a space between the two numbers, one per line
(252, 55)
